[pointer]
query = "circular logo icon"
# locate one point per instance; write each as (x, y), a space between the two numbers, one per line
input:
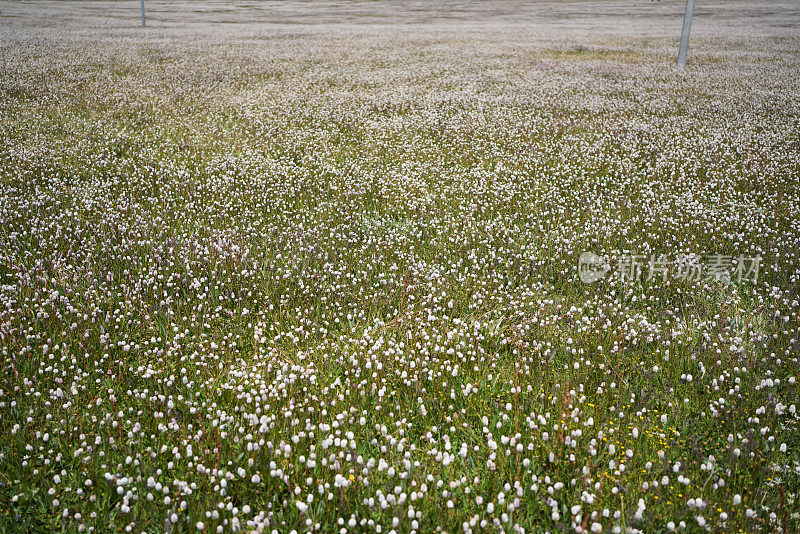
(592, 267)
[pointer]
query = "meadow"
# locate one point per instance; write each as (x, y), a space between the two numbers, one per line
(286, 267)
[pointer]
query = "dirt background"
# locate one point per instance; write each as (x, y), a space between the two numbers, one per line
(549, 20)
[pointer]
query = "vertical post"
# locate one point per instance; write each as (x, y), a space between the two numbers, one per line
(687, 27)
(144, 23)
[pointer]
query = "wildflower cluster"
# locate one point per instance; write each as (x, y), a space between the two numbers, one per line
(328, 283)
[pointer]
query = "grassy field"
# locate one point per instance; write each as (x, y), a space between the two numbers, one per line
(314, 267)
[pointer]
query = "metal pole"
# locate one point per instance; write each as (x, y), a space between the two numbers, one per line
(144, 22)
(687, 27)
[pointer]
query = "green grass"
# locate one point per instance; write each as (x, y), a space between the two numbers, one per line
(391, 253)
